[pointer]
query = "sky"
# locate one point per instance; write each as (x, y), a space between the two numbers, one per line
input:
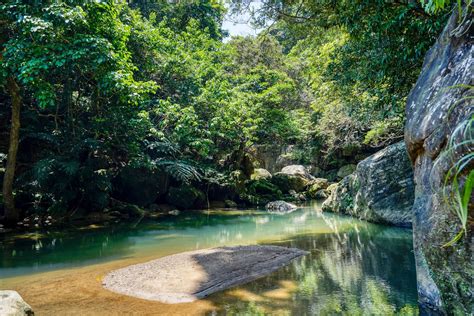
(240, 25)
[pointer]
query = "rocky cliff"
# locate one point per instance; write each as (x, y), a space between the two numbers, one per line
(437, 111)
(381, 189)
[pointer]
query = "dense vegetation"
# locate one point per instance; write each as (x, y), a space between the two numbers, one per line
(106, 92)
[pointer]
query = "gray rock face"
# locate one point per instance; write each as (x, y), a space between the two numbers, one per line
(11, 304)
(435, 108)
(280, 207)
(381, 190)
(384, 187)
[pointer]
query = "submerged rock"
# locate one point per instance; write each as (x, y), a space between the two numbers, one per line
(12, 304)
(280, 207)
(437, 106)
(381, 190)
(188, 276)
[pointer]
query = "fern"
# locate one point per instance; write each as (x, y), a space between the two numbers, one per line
(459, 195)
(180, 170)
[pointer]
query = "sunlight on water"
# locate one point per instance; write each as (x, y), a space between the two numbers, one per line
(353, 266)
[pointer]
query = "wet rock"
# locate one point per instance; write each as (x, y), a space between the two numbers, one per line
(437, 106)
(12, 304)
(280, 207)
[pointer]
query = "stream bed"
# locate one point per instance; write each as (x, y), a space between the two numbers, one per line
(353, 268)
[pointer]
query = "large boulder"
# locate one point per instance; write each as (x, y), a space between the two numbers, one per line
(297, 170)
(294, 177)
(384, 188)
(381, 190)
(139, 186)
(12, 304)
(437, 106)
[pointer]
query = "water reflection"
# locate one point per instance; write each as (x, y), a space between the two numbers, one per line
(364, 271)
(354, 268)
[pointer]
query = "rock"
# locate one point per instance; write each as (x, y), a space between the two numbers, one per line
(346, 170)
(126, 210)
(12, 304)
(330, 188)
(280, 207)
(186, 197)
(435, 108)
(259, 174)
(381, 190)
(174, 212)
(188, 276)
(300, 197)
(294, 177)
(139, 186)
(320, 195)
(341, 196)
(384, 187)
(318, 185)
(230, 204)
(297, 170)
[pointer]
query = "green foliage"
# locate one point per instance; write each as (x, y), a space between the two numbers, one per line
(458, 195)
(151, 84)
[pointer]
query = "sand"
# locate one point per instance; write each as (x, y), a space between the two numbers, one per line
(189, 276)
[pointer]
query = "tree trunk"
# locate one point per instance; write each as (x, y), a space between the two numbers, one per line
(11, 213)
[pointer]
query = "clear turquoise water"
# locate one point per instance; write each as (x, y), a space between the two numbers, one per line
(353, 267)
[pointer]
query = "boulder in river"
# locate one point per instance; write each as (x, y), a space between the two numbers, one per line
(280, 207)
(12, 304)
(188, 276)
(439, 104)
(381, 190)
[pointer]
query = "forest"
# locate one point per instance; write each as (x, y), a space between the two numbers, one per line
(121, 112)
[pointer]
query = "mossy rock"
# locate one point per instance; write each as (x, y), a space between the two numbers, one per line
(287, 182)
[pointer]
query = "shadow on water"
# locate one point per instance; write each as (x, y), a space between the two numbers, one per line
(354, 268)
(359, 272)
